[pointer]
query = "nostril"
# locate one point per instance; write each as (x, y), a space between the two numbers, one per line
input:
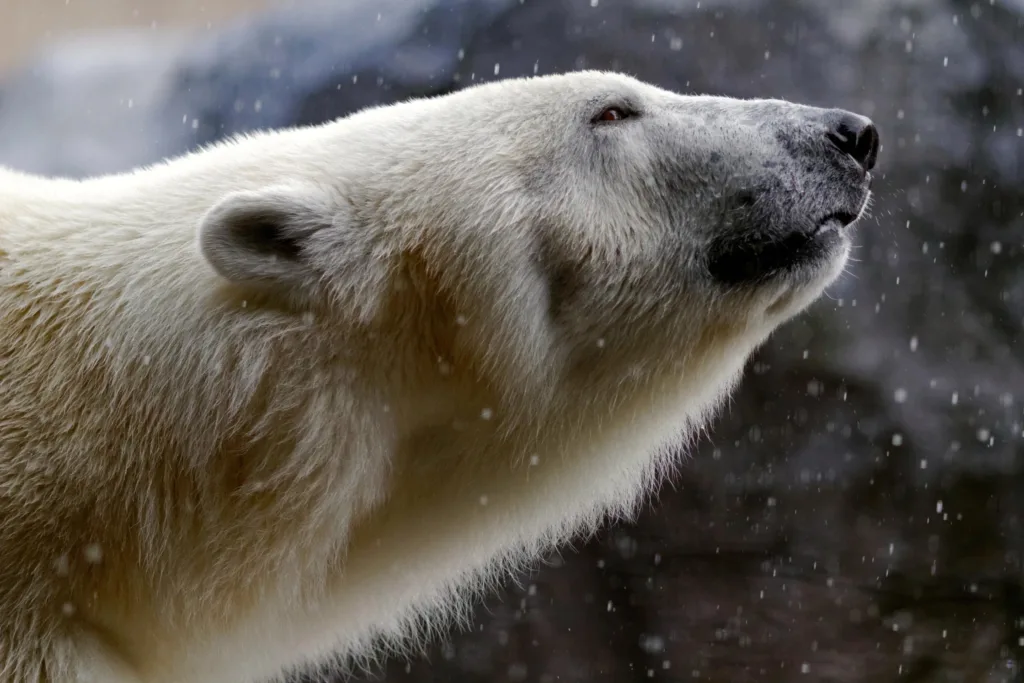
(866, 152)
(857, 136)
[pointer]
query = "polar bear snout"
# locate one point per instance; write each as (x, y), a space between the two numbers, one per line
(857, 137)
(790, 218)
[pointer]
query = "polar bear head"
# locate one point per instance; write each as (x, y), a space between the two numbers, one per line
(583, 224)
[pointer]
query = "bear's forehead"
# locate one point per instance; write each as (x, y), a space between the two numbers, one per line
(578, 82)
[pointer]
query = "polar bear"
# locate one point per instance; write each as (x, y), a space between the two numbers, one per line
(294, 396)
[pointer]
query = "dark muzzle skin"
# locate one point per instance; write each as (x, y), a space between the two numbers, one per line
(764, 258)
(772, 233)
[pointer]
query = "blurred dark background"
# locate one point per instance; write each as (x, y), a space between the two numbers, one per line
(858, 513)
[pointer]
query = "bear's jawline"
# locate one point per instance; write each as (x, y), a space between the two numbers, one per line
(751, 260)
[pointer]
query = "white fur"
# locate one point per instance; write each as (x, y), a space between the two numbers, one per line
(219, 463)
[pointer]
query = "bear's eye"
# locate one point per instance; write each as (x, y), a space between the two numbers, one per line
(610, 114)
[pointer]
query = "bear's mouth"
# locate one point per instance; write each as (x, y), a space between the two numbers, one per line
(751, 259)
(837, 220)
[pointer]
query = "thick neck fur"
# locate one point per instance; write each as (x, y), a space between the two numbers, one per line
(232, 465)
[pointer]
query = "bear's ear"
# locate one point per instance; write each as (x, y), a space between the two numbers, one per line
(262, 237)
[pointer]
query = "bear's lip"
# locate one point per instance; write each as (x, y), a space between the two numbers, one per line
(835, 221)
(752, 261)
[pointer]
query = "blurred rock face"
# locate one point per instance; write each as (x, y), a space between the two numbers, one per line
(858, 514)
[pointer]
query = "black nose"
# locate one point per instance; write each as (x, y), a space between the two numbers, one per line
(857, 136)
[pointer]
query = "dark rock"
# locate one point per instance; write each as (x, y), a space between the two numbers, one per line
(319, 62)
(858, 514)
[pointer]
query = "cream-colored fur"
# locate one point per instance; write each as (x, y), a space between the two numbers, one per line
(293, 396)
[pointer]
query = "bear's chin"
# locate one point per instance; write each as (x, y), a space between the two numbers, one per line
(801, 254)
